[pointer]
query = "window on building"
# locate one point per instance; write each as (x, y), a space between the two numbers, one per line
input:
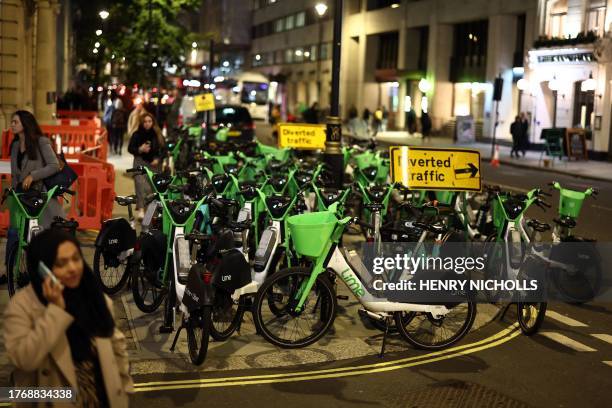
(313, 53)
(376, 4)
(278, 57)
(469, 60)
(289, 56)
(268, 58)
(300, 19)
(289, 22)
(557, 18)
(596, 16)
(324, 51)
(278, 25)
(388, 44)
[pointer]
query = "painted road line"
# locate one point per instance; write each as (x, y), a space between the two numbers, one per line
(608, 363)
(325, 374)
(494, 337)
(566, 341)
(564, 319)
(601, 207)
(307, 377)
(603, 337)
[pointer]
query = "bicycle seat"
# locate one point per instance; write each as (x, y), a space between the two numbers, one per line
(198, 237)
(538, 226)
(220, 182)
(59, 222)
(566, 222)
(278, 182)
(231, 169)
(330, 195)
(377, 193)
(278, 205)
(162, 181)
(302, 178)
(370, 172)
(32, 201)
(276, 165)
(239, 226)
(248, 189)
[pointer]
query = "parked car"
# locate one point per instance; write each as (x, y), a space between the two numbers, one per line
(235, 117)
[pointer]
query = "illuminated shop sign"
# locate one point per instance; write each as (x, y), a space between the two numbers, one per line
(576, 57)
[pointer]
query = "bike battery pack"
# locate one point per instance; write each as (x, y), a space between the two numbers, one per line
(264, 250)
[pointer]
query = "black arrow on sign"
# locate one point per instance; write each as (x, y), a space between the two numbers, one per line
(471, 169)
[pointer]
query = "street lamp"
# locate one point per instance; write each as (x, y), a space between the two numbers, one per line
(98, 32)
(321, 9)
(333, 140)
(104, 14)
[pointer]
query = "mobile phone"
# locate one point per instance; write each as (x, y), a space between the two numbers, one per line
(44, 271)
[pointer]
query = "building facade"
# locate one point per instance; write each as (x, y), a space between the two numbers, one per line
(30, 55)
(568, 77)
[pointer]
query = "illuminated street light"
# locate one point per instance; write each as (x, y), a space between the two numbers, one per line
(522, 84)
(95, 50)
(154, 65)
(258, 57)
(321, 9)
(395, 5)
(97, 44)
(104, 14)
(98, 32)
(194, 45)
(226, 64)
(588, 84)
(424, 85)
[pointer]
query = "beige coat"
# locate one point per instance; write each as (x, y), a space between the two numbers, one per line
(36, 343)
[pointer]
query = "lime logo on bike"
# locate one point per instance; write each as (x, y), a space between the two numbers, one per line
(436, 169)
(301, 136)
(352, 282)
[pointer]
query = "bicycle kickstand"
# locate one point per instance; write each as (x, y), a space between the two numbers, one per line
(384, 342)
(176, 337)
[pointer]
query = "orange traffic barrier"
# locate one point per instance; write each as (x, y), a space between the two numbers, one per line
(95, 193)
(72, 114)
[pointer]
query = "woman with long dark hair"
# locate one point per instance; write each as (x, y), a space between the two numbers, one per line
(32, 160)
(146, 144)
(59, 331)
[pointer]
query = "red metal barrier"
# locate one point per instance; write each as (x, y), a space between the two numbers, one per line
(95, 193)
(71, 114)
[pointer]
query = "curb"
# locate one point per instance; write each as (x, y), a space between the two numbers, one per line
(549, 170)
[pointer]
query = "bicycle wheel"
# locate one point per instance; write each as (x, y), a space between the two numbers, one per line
(226, 316)
(495, 267)
(112, 272)
(425, 331)
(17, 275)
(287, 327)
(147, 296)
(530, 316)
(198, 331)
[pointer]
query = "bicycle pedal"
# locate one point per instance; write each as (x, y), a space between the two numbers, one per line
(342, 297)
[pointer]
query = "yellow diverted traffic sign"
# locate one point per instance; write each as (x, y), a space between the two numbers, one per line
(301, 136)
(436, 169)
(204, 102)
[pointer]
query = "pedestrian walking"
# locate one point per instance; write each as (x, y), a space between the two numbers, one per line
(109, 109)
(134, 118)
(357, 126)
(59, 331)
(524, 139)
(311, 115)
(425, 125)
(516, 130)
(118, 127)
(146, 144)
(411, 121)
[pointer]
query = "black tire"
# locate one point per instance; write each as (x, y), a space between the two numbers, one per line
(198, 332)
(111, 278)
(320, 307)
(420, 329)
(147, 296)
(495, 268)
(17, 275)
(530, 316)
(226, 316)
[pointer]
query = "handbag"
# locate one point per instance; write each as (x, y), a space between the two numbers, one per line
(63, 178)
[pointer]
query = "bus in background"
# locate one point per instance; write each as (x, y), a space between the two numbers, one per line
(248, 89)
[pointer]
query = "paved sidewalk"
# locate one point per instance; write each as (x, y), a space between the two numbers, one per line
(593, 169)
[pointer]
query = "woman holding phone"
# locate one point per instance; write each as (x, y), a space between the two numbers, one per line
(60, 331)
(146, 144)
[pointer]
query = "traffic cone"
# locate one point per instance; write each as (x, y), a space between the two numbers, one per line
(495, 159)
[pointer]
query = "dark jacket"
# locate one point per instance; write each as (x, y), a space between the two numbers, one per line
(140, 137)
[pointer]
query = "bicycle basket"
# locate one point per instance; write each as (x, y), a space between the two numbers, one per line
(364, 160)
(570, 203)
(278, 154)
(311, 232)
